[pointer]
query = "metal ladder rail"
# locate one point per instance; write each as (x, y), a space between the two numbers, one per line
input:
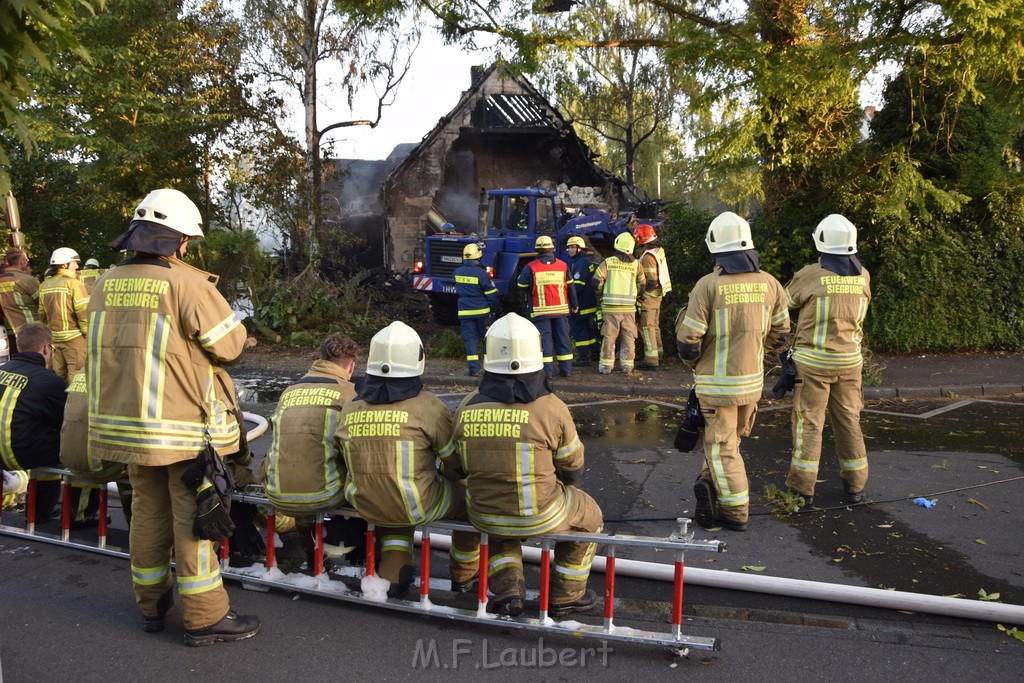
(679, 543)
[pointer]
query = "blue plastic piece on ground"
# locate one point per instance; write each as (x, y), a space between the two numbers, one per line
(924, 502)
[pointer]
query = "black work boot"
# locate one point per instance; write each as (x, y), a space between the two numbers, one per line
(163, 606)
(707, 501)
(808, 500)
(231, 628)
(469, 584)
(512, 606)
(853, 496)
(406, 578)
(584, 603)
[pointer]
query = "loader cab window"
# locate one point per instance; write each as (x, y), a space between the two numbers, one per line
(494, 213)
(518, 216)
(545, 215)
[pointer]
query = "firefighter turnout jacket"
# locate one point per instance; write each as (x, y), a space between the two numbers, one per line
(301, 472)
(619, 281)
(62, 304)
(74, 437)
(89, 276)
(659, 282)
(516, 456)
(830, 326)
(390, 453)
(478, 296)
(547, 279)
(31, 411)
(19, 298)
(581, 274)
(158, 331)
(729, 319)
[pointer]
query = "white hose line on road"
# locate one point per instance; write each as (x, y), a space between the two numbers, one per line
(259, 430)
(798, 588)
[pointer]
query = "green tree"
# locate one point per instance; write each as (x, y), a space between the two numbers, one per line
(29, 29)
(623, 98)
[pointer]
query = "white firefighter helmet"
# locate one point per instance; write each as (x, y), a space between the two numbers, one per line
(63, 256)
(625, 243)
(576, 241)
(835, 235)
(395, 351)
(513, 347)
(472, 251)
(728, 232)
(92, 263)
(172, 209)
(544, 243)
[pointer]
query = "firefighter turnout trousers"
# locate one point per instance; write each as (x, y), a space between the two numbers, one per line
(473, 331)
(650, 329)
(554, 342)
(163, 511)
(396, 545)
(68, 357)
(584, 335)
(724, 426)
(618, 328)
(840, 395)
(572, 560)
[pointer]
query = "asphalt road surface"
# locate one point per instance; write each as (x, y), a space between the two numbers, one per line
(69, 614)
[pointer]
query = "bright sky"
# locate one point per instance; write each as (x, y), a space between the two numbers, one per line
(437, 78)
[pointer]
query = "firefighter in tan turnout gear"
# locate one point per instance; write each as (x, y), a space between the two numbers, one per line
(157, 399)
(659, 283)
(522, 458)
(19, 291)
(301, 474)
(733, 314)
(392, 436)
(831, 299)
(620, 280)
(62, 303)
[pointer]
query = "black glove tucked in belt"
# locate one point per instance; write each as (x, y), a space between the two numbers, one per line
(787, 378)
(213, 518)
(689, 430)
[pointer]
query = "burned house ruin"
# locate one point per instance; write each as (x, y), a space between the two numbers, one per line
(501, 134)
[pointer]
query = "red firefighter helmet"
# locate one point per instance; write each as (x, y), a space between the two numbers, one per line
(644, 233)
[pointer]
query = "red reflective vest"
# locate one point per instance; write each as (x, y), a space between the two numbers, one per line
(549, 295)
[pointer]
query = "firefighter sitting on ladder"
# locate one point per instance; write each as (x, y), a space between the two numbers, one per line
(522, 458)
(392, 435)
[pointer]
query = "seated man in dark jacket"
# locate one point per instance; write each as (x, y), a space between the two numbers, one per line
(32, 406)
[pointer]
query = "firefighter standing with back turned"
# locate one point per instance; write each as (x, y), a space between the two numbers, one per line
(733, 314)
(619, 279)
(62, 303)
(659, 283)
(478, 301)
(159, 331)
(831, 298)
(522, 458)
(550, 300)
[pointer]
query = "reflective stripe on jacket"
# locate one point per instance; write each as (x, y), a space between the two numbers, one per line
(477, 294)
(390, 459)
(31, 410)
(511, 454)
(656, 271)
(302, 471)
(830, 322)
(732, 318)
(19, 298)
(547, 278)
(619, 283)
(158, 331)
(581, 274)
(62, 304)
